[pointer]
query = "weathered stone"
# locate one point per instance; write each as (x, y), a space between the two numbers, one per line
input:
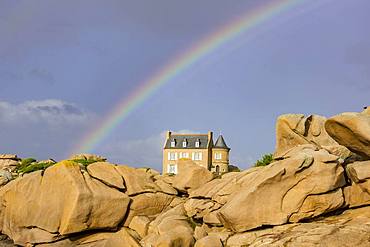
(177, 201)
(276, 192)
(6, 242)
(140, 224)
(349, 229)
(106, 173)
(315, 205)
(41, 208)
(151, 172)
(207, 241)
(5, 177)
(89, 157)
(8, 164)
(212, 219)
(359, 171)
(148, 204)
(199, 232)
(170, 229)
(351, 130)
(358, 194)
(222, 233)
(296, 129)
(366, 111)
(137, 180)
(123, 237)
(198, 208)
(9, 156)
(49, 161)
(190, 176)
(219, 190)
(165, 187)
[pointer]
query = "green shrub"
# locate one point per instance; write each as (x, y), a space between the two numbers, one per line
(35, 167)
(24, 163)
(85, 162)
(265, 160)
(27, 161)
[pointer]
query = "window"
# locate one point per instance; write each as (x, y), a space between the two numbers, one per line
(218, 156)
(184, 143)
(172, 168)
(197, 156)
(184, 155)
(173, 143)
(172, 156)
(197, 144)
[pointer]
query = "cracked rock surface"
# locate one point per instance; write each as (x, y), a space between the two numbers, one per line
(315, 193)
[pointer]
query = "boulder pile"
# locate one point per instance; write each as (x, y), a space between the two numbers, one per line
(315, 193)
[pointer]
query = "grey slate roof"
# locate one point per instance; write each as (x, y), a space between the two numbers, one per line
(220, 143)
(191, 139)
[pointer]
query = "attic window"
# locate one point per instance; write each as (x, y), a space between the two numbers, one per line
(184, 143)
(173, 143)
(197, 143)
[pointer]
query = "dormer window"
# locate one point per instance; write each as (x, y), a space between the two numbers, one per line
(197, 143)
(173, 143)
(184, 143)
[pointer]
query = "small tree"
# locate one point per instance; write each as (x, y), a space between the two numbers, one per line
(265, 160)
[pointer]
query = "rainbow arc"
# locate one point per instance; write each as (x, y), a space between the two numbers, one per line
(177, 65)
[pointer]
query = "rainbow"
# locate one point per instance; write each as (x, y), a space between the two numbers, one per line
(177, 65)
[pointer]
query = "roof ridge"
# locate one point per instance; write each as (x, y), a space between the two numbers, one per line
(220, 143)
(188, 134)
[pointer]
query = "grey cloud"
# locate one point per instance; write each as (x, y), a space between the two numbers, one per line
(51, 111)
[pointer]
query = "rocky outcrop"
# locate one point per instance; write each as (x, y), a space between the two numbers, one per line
(349, 229)
(107, 174)
(122, 237)
(302, 186)
(191, 176)
(88, 157)
(315, 193)
(296, 129)
(358, 194)
(64, 200)
(171, 228)
(148, 204)
(9, 162)
(214, 241)
(5, 177)
(351, 130)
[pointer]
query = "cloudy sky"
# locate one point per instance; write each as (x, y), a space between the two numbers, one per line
(64, 65)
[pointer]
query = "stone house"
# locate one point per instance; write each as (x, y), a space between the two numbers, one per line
(199, 148)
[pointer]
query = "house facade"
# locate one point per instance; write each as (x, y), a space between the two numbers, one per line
(199, 148)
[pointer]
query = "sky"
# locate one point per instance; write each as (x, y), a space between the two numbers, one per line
(64, 65)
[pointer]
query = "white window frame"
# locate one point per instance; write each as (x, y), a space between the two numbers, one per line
(218, 156)
(197, 156)
(184, 155)
(173, 144)
(184, 144)
(197, 144)
(170, 170)
(172, 156)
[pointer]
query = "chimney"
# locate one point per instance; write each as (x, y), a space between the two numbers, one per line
(210, 138)
(168, 135)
